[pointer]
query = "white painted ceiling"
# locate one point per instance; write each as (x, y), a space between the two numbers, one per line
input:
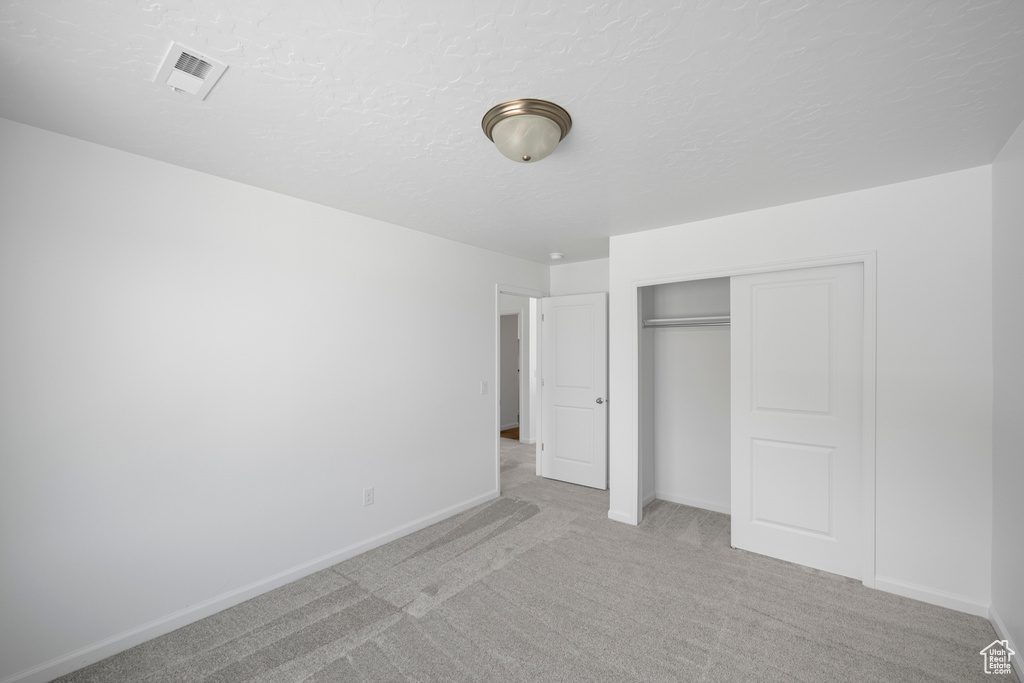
(682, 110)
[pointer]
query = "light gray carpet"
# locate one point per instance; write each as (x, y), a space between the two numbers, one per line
(540, 586)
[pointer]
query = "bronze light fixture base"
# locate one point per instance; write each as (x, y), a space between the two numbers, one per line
(526, 130)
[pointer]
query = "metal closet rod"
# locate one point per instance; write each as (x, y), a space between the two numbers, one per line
(705, 321)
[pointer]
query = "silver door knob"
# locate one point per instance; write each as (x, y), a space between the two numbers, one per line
(600, 400)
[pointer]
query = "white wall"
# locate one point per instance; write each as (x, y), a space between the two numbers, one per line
(198, 380)
(692, 425)
(582, 277)
(934, 359)
(1008, 361)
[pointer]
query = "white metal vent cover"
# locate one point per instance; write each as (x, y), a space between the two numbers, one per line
(189, 71)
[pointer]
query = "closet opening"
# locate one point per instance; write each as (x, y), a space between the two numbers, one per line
(770, 420)
(685, 423)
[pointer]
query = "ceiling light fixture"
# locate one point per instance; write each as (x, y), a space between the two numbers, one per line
(526, 130)
(556, 256)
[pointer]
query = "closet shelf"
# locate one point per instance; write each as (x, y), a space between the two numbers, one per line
(705, 321)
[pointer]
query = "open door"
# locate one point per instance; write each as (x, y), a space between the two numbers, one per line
(797, 416)
(574, 381)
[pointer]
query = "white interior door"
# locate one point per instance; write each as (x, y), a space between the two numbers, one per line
(574, 380)
(797, 424)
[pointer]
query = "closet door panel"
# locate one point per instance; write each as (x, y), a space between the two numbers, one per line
(792, 366)
(797, 424)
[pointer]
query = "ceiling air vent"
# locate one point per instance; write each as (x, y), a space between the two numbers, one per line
(189, 71)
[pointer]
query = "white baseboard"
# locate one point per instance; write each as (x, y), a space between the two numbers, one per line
(510, 425)
(693, 502)
(1017, 659)
(932, 596)
(528, 442)
(616, 516)
(93, 653)
(648, 499)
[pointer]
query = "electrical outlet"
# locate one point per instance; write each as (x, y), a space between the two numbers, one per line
(368, 496)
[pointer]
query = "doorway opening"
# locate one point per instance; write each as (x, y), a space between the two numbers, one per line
(516, 394)
(518, 347)
(509, 373)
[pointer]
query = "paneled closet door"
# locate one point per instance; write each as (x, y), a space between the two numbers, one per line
(797, 424)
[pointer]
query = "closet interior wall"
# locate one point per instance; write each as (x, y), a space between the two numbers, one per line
(684, 396)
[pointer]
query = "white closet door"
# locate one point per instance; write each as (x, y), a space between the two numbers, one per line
(797, 424)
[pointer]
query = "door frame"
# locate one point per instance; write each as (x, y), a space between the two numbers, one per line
(514, 290)
(869, 262)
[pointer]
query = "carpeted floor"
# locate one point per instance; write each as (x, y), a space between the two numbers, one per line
(540, 586)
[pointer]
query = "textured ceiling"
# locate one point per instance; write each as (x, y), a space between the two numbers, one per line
(682, 110)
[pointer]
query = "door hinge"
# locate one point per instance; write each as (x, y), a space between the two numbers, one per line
(542, 447)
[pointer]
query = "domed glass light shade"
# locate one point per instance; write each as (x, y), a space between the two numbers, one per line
(526, 130)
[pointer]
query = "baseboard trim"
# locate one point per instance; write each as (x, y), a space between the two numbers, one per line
(510, 425)
(91, 654)
(933, 597)
(693, 502)
(648, 499)
(1017, 659)
(621, 517)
